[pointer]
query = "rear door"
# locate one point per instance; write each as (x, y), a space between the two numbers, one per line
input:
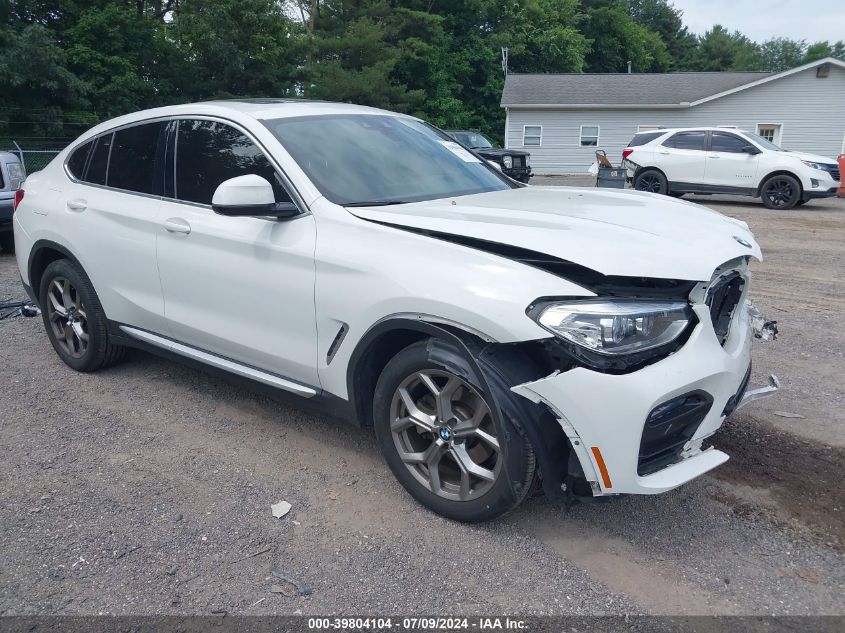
(727, 164)
(238, 287)
(682, 157)
(109, 216)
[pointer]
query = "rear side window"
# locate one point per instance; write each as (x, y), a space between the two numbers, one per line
(133, 157)
(644, 137)
(99, 165)
(686, 140)
(209, 152)
(77, 160)
(724, 142)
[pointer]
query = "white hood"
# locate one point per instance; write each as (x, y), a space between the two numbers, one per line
(814, 158)
(627, 233)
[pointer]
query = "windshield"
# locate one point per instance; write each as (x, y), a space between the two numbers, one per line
(472, 139)
(367, 159)
(762, 142)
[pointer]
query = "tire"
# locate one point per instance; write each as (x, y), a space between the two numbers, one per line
(800, 203)
(74, 319)
(652, 181)
(451, 466)
(7, 242)
(781, 192)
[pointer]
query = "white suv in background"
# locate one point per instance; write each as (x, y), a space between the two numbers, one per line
(490, 332)
(727, 161)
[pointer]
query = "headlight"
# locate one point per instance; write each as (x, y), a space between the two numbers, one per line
(614, 327)
(811, 164)
(527, 160)
(507, 161)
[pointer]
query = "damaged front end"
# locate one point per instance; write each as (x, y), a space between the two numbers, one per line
(641, 427)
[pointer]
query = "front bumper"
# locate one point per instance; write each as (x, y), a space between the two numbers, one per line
(5, 215)
(522, 174)
(813, 195)
(604, 415)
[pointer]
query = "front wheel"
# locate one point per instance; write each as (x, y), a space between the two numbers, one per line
(780, 192)
(652, 181)
(443, 439)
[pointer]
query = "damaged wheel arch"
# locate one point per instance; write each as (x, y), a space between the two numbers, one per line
(496, 367)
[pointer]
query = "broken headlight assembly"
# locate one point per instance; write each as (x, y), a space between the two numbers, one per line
(616, 334)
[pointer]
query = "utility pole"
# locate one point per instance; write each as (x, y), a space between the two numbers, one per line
(505, 60)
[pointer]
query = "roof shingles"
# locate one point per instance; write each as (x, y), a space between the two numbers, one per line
(620, 89)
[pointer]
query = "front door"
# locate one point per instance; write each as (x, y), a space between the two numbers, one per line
(728, 165)
(241, 288)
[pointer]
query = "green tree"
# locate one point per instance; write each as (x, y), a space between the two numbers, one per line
(661, 17)
(820, 50)
(617, 39)
(719, 50)
(782, 53)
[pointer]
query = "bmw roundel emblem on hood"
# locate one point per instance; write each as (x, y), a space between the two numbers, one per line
(745, 243)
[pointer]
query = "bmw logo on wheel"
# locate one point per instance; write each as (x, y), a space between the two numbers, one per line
(445, 433)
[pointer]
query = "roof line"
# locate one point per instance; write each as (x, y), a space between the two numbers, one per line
(595, 106)
(780, 75)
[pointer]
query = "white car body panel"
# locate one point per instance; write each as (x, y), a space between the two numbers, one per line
(629, 233)
(267, 298)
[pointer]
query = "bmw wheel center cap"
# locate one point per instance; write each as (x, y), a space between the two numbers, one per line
(445, 433)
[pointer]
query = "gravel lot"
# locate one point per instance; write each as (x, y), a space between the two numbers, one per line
(144, 488)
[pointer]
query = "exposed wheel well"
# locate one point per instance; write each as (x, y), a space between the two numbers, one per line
(43, 254)
(368, 363)
(780, 172)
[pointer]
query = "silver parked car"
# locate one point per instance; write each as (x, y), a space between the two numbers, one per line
(12, 175)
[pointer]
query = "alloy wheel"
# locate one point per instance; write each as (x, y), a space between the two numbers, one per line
(445, 435)
(779, 192)
(67, 317)
(649, 182)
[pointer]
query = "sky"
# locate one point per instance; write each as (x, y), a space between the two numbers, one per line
(812, 20)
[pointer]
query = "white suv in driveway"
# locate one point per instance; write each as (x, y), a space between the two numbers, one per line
(728, 161)
(492, 333)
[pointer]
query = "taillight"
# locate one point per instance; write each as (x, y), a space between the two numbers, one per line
(626, 153)
(18, 198)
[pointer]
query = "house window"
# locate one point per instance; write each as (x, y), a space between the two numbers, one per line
(532, 135)
(770, 132)
(589, 135)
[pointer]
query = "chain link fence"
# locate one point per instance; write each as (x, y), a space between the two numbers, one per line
(35, 154)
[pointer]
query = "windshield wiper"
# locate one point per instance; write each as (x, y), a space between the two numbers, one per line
(376, 203)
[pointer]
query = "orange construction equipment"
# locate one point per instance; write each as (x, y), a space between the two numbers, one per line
(841, 160)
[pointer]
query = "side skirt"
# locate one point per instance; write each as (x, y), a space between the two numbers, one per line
(691, 187)
(258, 381)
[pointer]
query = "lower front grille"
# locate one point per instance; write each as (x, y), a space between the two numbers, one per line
(668, 427)
(518, 161)
(722, 299)
(833, 170)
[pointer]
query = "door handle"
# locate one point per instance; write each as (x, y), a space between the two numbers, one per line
(77, 204)
(665, 153)
(711, 156)
(177, 225)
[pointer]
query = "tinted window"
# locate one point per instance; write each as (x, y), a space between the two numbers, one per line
(98, 167)
(77, 160)
(362, 159)
(133, 157)
(208, 152)
(645, 137)
(722, 142)
(686, 140)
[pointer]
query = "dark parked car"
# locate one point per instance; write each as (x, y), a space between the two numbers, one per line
(514, 163)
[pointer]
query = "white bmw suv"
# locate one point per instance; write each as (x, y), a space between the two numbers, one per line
(727, 161)
(494, 334)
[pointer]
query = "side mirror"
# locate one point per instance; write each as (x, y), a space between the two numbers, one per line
(249, 195)
(750, 149)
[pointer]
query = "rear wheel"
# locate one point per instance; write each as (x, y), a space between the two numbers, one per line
(780, 192)
(74, 319)
(444, 441)
(7, 242)
(652, 181)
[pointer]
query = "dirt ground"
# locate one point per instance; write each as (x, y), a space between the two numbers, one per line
(146, 489)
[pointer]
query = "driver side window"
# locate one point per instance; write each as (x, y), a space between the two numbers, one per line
(209, 152)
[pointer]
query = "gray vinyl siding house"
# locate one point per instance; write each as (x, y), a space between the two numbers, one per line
(562, 119)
